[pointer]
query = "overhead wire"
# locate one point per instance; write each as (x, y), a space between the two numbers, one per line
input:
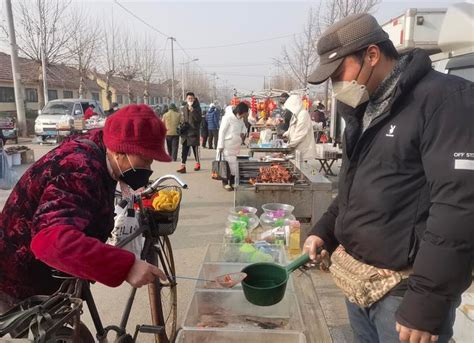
(141, 20)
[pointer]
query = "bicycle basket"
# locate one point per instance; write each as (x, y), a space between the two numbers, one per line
(164, 223)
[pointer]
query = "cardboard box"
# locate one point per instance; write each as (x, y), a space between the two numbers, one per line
(27, 157)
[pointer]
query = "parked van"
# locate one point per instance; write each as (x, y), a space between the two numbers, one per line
(63, 111)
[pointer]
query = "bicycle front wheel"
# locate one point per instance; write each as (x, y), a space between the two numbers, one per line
(163, 295)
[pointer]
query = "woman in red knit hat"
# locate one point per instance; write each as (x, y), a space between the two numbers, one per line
(61, 211)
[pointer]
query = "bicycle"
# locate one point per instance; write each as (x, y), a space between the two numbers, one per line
(66, 326)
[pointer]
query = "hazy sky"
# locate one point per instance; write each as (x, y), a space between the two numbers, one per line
(199, 25)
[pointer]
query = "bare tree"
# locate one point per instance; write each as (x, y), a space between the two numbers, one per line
(49, 20)
(338, 9)
(148, 65)
(129, 63)
(302, 57)
(83, 48)
(111, 61)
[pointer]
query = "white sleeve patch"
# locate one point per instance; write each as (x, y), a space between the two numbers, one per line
(464, 164)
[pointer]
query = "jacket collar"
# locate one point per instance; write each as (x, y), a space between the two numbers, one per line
(418, 65)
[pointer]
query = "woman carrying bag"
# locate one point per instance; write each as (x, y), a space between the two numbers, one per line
(230, 140)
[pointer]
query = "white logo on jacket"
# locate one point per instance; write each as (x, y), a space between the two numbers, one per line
(390, 132)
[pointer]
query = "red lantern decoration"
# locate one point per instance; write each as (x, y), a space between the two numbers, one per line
(254, 105)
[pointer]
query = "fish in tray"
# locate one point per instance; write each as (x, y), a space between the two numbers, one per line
(220, 321)
(275, 173)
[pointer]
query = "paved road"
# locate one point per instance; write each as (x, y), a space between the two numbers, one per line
(202, 221)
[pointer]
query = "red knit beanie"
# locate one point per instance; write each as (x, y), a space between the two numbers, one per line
(136, 130)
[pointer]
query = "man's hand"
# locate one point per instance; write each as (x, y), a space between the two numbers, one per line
(142, 273)
(415, 336)
(311, 246)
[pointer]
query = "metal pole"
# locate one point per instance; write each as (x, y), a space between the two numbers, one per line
(43, 54)
(172, 69)
(20, 105)
(182, 79)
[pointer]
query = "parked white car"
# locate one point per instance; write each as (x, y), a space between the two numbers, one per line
(63, 112)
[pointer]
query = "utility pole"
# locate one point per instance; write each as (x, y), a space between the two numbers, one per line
(182, 73)
(215, 85)
(43, 53)
(20, 105)
(172, 69)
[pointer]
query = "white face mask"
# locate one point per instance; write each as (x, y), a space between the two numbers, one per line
(350, 93)
(190, 103)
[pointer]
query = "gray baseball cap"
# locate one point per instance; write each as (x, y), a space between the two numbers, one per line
(347, 36)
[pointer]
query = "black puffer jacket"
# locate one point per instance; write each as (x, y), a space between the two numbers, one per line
(406, 191)
(193, 118)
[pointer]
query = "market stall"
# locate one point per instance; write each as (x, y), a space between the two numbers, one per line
(308, 191)
(327, 155)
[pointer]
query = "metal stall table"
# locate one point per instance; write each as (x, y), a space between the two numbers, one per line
(310, 193)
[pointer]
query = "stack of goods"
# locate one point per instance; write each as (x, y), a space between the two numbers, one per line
(276, 173)
(240, 222)
(254, 138)
(79, 124)
(95, 122)
(166, 200)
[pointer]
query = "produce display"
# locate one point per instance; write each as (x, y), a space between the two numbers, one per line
(166, 200)
(275, 173)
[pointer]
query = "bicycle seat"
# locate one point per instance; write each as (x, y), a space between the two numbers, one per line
(57, 274)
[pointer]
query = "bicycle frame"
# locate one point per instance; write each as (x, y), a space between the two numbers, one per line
(145, 230)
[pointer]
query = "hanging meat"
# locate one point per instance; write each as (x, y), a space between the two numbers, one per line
(275, 173)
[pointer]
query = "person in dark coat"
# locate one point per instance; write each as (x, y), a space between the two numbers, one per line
(213, 119)
(192, 117)
(204, 129)
(61, 212)
(286, 116)
(405, 205)
(113, 108)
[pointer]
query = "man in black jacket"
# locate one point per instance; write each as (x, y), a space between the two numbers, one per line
(406, 200)
(191, 124)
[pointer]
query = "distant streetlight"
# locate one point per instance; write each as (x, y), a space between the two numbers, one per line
(182, 72)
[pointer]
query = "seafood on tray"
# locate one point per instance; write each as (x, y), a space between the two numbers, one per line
(276, 173)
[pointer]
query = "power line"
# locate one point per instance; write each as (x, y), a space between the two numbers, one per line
(236, 65)
(244, 43)
(141, 20)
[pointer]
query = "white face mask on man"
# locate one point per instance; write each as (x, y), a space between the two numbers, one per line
(351, 92)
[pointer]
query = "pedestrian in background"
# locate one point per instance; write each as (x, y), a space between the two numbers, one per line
(90, 112)
(230, 139)
(191, 121)
(213, 118)
(113, 108)
(204, 129)
(300, 132)
(172, 119)
(285, 115)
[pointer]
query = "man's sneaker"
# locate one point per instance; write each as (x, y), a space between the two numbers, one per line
(182, 170)
(197, 167)
(228, 188)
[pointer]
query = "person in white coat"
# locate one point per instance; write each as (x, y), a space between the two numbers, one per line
(300, 132)
(230, 139)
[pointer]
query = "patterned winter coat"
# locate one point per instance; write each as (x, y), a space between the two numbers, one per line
(58, 216)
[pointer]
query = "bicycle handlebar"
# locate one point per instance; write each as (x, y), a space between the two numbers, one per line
(153, 187)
